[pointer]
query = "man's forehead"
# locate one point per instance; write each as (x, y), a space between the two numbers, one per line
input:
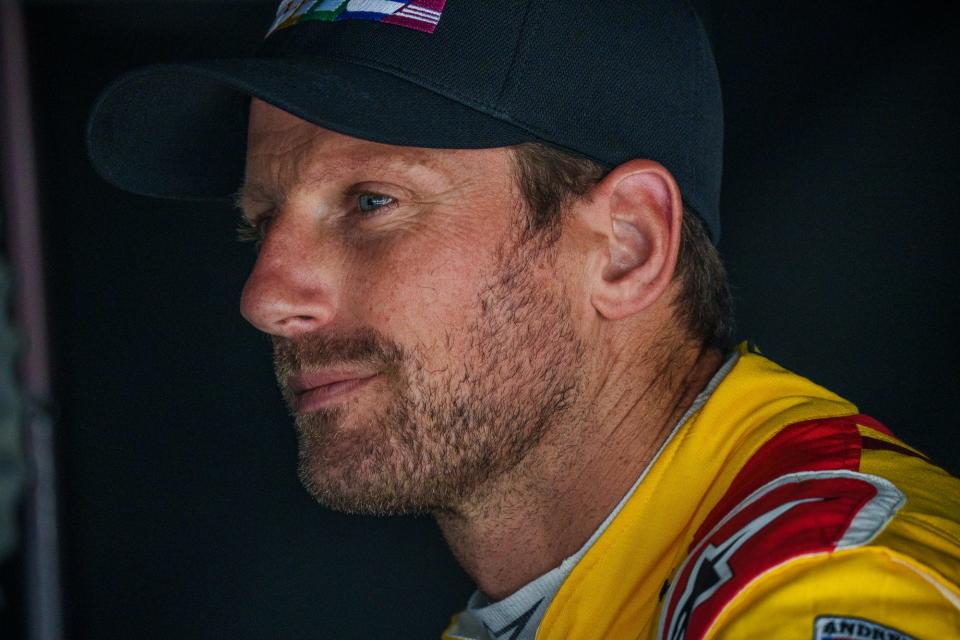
(283, 147)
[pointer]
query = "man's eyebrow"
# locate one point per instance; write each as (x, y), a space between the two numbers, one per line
(252, 192)
(351, 166)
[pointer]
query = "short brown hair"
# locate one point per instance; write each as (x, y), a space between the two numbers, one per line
(550, 179)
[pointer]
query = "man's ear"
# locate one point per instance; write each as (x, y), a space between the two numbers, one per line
(638, 210)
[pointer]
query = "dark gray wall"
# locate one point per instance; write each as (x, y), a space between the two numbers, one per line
(181, 511)
(841, 200)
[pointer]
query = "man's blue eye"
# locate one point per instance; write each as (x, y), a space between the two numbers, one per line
(369, 202)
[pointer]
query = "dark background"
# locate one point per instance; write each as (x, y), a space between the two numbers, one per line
(181, 513)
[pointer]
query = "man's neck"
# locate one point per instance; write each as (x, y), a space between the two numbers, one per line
(544, 510)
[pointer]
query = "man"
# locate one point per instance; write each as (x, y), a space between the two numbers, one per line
(485, 258)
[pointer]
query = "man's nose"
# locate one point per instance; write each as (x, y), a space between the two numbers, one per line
(292, 288)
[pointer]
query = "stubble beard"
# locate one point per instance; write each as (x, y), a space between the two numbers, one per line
(440, 437)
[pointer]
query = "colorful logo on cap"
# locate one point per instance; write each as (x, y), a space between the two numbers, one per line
(422, 15)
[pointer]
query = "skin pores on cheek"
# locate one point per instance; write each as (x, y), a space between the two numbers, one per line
(420, 267)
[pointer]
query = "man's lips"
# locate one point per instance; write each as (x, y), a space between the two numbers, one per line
(322, 388)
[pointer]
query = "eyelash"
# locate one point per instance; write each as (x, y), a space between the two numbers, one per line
(255, 230)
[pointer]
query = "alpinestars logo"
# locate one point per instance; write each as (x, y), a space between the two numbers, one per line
(712, 569)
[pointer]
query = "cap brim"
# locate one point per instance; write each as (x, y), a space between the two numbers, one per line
(179, 131)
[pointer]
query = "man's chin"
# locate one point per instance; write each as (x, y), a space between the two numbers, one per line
(349, 493)
(354, 468)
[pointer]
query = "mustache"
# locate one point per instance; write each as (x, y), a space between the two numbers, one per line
(365, 347)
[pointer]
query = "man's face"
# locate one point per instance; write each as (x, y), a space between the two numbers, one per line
(423, 347)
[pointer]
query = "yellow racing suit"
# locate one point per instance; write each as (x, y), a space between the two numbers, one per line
(774, 511)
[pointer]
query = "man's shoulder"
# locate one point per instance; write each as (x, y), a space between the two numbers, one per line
(823, 504)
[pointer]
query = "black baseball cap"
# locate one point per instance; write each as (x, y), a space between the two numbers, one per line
(609, 80)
